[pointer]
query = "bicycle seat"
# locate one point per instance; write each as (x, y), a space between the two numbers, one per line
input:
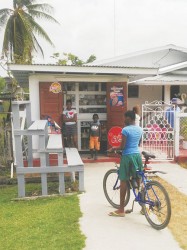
(147, 155)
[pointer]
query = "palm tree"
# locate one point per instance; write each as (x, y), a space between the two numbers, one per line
(21, 29)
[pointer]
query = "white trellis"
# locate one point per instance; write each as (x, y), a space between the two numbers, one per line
(158, 132)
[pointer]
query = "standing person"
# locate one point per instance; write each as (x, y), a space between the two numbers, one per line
(95, 135)
(70, 120)
(136, 110)
(170, 112)
(131, 159)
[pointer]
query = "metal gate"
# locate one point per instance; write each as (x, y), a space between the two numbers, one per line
(158, 125)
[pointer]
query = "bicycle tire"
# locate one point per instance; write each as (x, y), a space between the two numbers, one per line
(159, 214)
(113, 196)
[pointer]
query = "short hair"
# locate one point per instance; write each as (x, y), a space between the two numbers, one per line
(95, 115)
(130, 114)
(68, 101)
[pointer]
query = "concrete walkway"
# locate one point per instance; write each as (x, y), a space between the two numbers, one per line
(132, 232)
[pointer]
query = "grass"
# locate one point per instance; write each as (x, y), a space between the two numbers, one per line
(183, 164)
(44, 223)
(178, 222)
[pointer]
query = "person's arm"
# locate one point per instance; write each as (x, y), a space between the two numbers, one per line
(99, 139)
(75, 117)
(90, 130)
(67, 119)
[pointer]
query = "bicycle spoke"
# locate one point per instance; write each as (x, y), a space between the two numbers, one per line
(111, 186)
(158, 208)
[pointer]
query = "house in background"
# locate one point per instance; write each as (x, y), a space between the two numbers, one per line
(155, 74)
(170, 63)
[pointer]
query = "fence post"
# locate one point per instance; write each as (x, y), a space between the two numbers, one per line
(177, 129)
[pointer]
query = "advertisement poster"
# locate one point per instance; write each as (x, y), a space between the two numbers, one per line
(116, 96)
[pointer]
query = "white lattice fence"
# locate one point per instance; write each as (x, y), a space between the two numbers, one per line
(158, 130)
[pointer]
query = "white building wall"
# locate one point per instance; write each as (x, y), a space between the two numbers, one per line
(146, 93)
(183, 89)
(34, 97)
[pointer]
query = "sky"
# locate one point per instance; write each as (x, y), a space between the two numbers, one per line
(108, 28)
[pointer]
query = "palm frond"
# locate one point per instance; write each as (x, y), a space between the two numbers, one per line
(8, 38)
(42, 15)
(37, 46)
(31, 28)
(22, 3)
(41, 32)
(4, 15)
(41, 7)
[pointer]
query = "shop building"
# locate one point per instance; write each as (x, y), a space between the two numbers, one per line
(156, 74)
(91, 89)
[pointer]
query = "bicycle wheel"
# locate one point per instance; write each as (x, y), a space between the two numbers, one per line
(111, 187)
(157, 206)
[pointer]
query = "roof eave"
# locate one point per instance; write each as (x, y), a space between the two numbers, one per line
(78, 69)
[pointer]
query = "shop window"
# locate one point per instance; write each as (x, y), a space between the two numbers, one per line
(69, 86)
(92, 103)
(103, 86)
(91, 86)
(72, 98)
(92, 110)
(133, 91)
(174, 90)
(92, 100)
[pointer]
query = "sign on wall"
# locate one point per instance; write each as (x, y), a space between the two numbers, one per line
(55, 88)
(115, 136)
(116, 96)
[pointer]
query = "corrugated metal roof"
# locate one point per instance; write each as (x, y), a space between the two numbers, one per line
(163, 80)
(151, 58)
(86, 66)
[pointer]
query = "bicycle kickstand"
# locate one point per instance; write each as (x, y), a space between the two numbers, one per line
(128, 211)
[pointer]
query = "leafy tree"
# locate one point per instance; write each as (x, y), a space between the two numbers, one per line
(91, 59)
(70, 59)
(21, 29)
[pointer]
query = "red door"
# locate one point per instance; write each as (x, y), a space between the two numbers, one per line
(50, 103)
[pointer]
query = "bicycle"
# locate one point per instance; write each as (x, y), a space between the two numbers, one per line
(150, 194)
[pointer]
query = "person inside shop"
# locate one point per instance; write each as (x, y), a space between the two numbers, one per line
(131, 159)
(70, 124)
(95, 135)
(136, 110)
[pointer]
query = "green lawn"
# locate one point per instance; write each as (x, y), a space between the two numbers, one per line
(45, 223)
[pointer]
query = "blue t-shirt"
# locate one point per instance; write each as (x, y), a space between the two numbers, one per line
(133, 135)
